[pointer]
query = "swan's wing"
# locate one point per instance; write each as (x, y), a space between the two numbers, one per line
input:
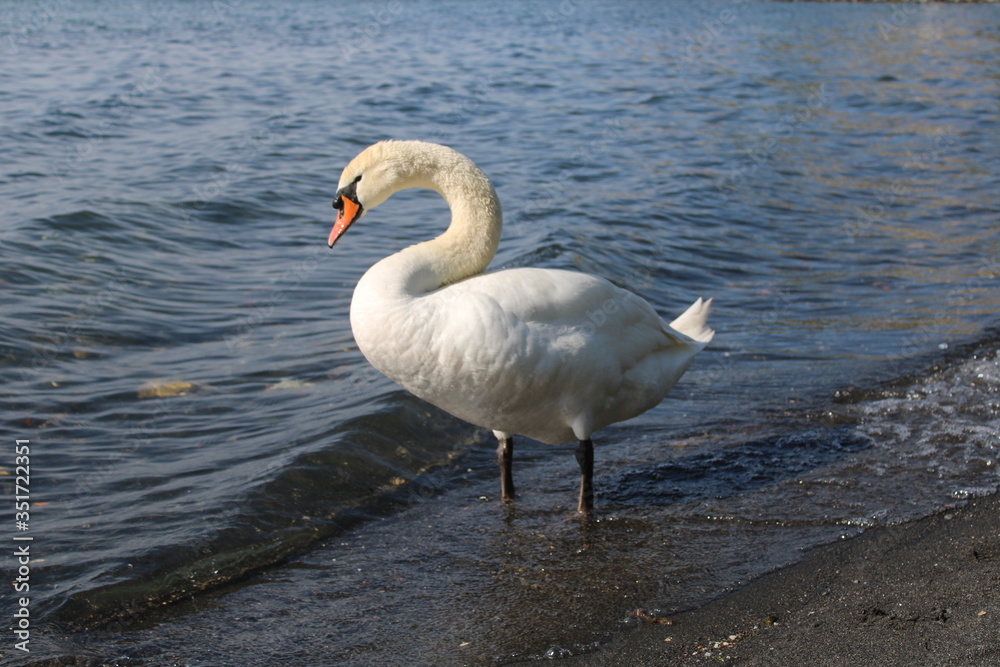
(569, 301)
(549, 353)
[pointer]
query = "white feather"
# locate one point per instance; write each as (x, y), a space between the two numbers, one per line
(549, 354)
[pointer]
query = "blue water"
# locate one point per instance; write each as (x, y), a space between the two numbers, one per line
(219, 478)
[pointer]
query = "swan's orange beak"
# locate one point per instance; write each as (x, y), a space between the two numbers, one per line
(348, 211)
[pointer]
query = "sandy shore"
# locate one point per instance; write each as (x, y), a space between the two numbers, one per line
(920, 593)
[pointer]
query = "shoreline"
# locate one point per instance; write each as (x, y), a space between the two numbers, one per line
(924, 592)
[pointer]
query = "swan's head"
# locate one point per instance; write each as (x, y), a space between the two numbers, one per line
(376, 173)
(349, 208)
(388, 167)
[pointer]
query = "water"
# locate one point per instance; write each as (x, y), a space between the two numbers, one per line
(219, 478)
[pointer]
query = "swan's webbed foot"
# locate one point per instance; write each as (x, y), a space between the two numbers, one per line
(585, 457)
(505, 457)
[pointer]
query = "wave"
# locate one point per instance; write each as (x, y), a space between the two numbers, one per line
(373, 465)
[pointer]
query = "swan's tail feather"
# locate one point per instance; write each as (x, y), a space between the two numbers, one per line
(694, 321)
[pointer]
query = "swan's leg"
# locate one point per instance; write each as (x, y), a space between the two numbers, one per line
(585, 457)
(505, 456)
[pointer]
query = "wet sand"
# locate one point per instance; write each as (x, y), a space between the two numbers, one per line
(925, 592)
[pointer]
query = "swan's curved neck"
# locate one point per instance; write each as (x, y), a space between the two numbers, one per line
(469, 243)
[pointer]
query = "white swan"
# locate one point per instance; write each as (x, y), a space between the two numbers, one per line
(548, 354)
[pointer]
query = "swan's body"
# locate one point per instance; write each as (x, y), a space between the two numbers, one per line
(552, 355)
